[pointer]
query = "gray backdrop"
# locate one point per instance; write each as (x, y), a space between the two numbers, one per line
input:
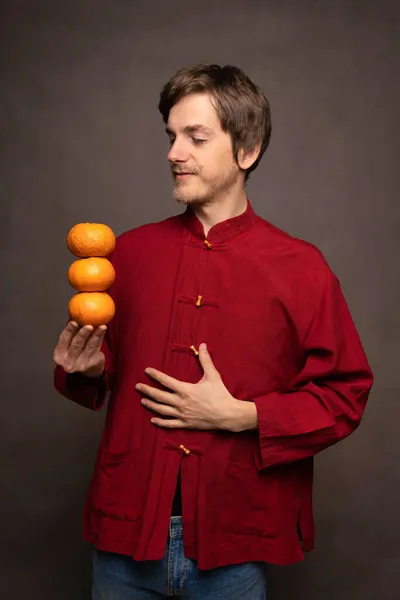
(81, 139)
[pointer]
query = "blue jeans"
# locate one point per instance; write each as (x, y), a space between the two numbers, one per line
(119, 577)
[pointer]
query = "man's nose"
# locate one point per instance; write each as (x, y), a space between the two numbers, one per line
(178, 152)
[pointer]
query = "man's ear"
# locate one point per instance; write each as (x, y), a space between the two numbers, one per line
(247, 159)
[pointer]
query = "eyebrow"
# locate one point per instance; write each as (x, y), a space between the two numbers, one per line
(192, 129)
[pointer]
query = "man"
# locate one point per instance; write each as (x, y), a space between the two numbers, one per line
(231, 361)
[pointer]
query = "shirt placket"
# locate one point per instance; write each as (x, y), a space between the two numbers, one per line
(197, 304)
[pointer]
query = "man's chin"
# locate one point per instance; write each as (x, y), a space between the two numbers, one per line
(189, 200)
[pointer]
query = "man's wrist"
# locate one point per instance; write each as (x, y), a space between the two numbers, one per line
(94, 373)
(243, 417)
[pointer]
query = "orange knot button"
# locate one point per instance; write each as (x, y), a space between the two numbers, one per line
(207, 243)
(184, 449)
(198, 301)
(195, 352)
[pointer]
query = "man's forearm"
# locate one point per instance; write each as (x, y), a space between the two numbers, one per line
(242, 417)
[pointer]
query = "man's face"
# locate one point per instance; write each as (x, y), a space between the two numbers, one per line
(201, 156)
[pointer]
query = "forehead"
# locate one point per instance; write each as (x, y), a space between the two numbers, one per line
(194, 109)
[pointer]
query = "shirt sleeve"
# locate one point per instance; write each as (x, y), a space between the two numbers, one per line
(326, 400)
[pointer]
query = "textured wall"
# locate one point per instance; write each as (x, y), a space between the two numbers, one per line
(81, 139)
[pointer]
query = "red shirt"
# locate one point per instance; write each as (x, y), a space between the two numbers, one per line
(279, 332)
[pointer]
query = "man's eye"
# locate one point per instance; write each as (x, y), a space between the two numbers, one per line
(199, 141)
(171, 141)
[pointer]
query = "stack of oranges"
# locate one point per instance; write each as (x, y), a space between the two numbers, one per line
(92, 274)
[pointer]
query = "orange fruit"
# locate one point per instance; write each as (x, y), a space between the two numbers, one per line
(91, 274)
(91, 308)
(91, 239)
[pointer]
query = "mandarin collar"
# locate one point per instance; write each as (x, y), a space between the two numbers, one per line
(221, 231)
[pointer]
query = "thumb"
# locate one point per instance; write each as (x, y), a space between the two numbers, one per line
(206, 361)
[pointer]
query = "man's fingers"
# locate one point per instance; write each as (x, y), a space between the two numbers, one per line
(158, 395)
(161, 409)
(94, 342)
(64, 342)
(79, 341)
(89, 350)
(169, 423)
(67, 335)
(77, 345)
(206, 362)
(169, 382)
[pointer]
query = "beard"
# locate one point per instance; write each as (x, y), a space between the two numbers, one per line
(200, 191)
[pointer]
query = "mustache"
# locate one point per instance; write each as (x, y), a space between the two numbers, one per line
(178, 171)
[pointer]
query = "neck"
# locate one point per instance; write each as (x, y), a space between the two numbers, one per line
(220, 209)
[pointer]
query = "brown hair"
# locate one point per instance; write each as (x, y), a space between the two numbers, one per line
(243, 109)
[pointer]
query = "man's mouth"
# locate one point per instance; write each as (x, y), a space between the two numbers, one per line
(182, 175)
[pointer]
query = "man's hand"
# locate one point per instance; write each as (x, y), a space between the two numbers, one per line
(78, 350)
(203, 405)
